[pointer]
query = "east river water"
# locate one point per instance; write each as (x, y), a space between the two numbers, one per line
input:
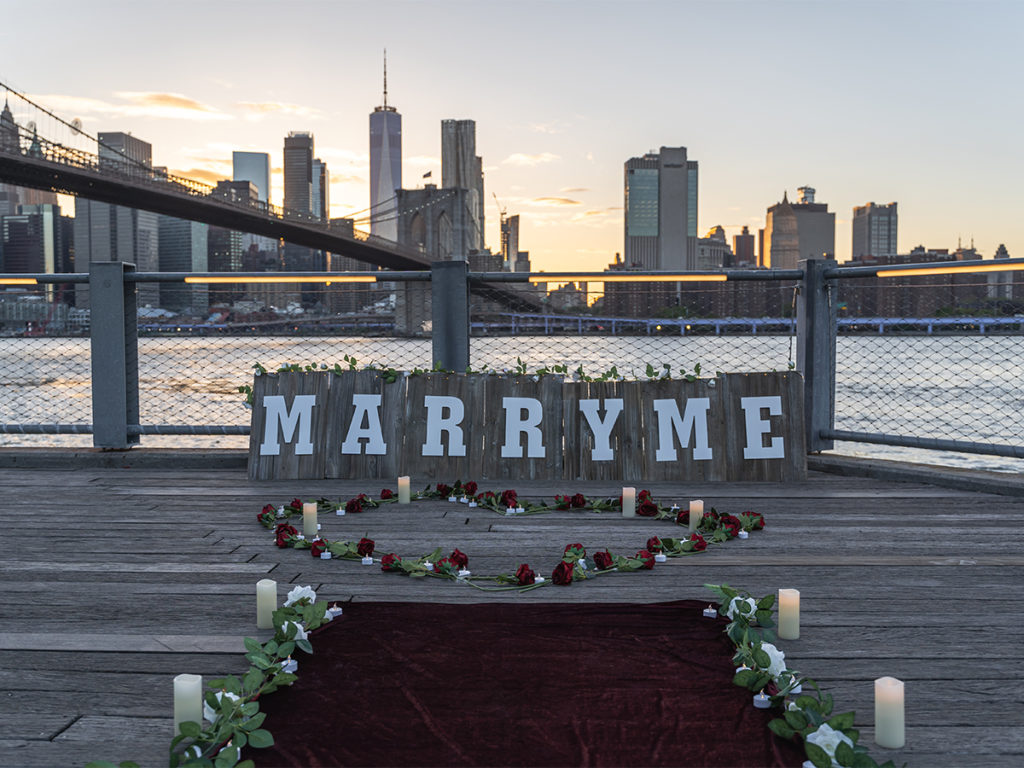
(955, 387)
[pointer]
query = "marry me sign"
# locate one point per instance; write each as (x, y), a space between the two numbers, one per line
(357, 424)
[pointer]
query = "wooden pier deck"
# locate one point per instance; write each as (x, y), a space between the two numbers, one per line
(115, 580)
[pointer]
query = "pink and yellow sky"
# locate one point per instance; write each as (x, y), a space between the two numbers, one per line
(916, 102)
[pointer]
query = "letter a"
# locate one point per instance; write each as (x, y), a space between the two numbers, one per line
(366, 407)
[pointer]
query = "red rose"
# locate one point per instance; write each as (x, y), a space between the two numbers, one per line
(620, 501)
(699, 545)
(562, 502)
(712, 516)
(365, 547)
(654, 544)
(647, 509)
(390, 562)
(509, 498)
(470, 488)
(731, 524)
(445, 566)
(646, 557)
(562, 575)
(267, 516)
(757, 519)
(683, 518)
(319, 546)
(578, 500)
(459, 558)
(574, 549)
(643, 496)
(603, 560)
(490, 495)
(296, 504)
(444, 490)
(524, 576)
(284, 533)
(387, 493)
(354, 505)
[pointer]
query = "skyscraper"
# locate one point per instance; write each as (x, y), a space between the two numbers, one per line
(321, 202)
(105, 232)
(183, 248)
(298, 172)
(874, 230)
(661, 210)
(254, 167)
(743, 249)
(462, 168)
(385, 165)
(796, 231)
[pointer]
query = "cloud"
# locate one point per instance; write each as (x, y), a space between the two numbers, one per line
(571, 190)
(554, 201)
(152, 104)
(257, 110)
(552, 126)
(342, 178)
(530, 160)
(202, 174)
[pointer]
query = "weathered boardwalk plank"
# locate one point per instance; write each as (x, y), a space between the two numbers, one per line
(127, 577)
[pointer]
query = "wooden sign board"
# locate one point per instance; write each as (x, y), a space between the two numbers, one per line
(441, 426)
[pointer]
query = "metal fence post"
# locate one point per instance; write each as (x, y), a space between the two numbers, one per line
(816, 351)
(449, 287)
(115, 355)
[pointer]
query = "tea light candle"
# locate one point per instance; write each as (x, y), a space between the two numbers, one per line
(743, 535)
(188, 699)
(472, 503)
(309, 524)
(629, 502)
(675, 509)
(520, 510)
(339, 511)
(710, 612)
(510, 511)
(464, 500)
(367, 560)
(463, 573)
(696, 513)
(428, 565)
(325, 555)
(761, 701)
(266, 603)
(889, 713)
(789, 614)
(660, 558)
(290, 665)
(539, 580)
(583, 563)
(403, 489)
(452, 498)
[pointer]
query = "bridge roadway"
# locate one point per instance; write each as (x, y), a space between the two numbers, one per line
(117, 578)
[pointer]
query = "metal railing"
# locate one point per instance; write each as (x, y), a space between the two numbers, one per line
(128, 378)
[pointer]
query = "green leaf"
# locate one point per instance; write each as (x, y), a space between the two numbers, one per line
(252, 646)
(253, 680)
(260, 739)
(745, 678)
(844, 754)
(796, 719)
(864, 760)
(286, 650)
(761, 658)
(841, 722)
(781, 729)
(227, 757)
(806, 701)
(246, 764)
(254, 722)
(766, 602)
(190, 729)
(818, 756)
(304, 645)
(250, 708)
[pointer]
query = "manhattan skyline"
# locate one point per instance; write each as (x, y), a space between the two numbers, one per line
(866, 102)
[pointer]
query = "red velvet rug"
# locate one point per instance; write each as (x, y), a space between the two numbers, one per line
(519, 684)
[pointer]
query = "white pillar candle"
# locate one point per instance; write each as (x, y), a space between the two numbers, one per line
(789, 614)
(188, 700)
(266, 603)
(696, 513)
(629, 502)
(309, 525)
(889, 713)
(403, 489)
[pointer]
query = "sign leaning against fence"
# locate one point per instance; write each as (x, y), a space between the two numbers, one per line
(356, 424)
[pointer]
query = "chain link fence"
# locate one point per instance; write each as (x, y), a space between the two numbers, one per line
(937, 357)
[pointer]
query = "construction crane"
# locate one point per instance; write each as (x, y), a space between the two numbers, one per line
(504, 232)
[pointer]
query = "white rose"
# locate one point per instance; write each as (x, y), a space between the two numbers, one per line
(778, 659)
(298, 594)
(300, 633)
(741, 606)
(829, 739)
(209, 714)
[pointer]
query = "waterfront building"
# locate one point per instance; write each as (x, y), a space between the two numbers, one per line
(660, 191)
(462, 168)
(183, 248)
(385, 165)
(298, 195)
(713, 251)
(743, 249)
(31, 240)
(320, 201)
(254, 167)
(874, 230)
(801, 230)
(105, 232)
(510, 243)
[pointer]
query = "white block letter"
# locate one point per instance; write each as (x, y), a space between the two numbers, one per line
(756, 427)
(602, 450)
(516, 425)
(437, 422)
(278, 416)
(689, 423)
(365, 407)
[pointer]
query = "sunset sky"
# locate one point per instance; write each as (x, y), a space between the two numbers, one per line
(917, 102)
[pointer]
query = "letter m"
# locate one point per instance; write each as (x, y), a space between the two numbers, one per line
(693, 421)
(278, 416)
